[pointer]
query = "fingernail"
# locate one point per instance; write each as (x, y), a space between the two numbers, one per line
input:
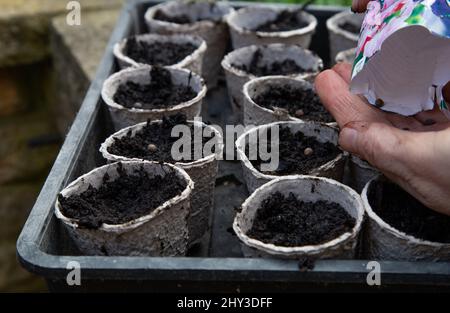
(348, 139)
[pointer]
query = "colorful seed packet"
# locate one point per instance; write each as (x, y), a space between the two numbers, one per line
(403, 55)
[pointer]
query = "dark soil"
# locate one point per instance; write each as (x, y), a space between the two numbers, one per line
(259, 68)
(157, 137)
(300, 103)
(403, 212)
(292, 156)
(184, 19)
(158, 53)
(352, 28)
(122, 200)
(291, 222)
(178, 19)
(285, 21)
(159, 93)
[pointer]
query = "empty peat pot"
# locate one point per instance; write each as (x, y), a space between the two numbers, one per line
(175, 51)
(346, 56)
(201, 18)
(250, 62)
(400, 228)
(343, 30)
(268, 24)
(153, 141)
(300, 216)
(136, 95)
(128, 208)
(279, 98)
(279, 149)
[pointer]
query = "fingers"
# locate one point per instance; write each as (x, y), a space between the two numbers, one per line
(359, 6)
(404, 122)
(379, 143)
(334, 93)
(431, 117)
(344, 70)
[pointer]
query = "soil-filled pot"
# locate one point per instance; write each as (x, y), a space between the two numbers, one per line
(400, 228)
(343, 30)
(346, 56)
(360, 172)
(300, 216)
(129, 209)
(268, 24)
(279, 98)
(136, 143)
(201, 18)
(175, 51)
(135, 95)
(251, 62)
(279, 149)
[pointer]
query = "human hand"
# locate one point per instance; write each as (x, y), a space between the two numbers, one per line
(414, 151)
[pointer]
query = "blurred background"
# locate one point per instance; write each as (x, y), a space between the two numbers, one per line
(45, 69)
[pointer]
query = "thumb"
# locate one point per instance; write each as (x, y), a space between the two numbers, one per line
(380, 144)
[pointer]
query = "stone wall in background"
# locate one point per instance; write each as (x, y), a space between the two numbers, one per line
(76, 52)
(24, 24)
(28, 148)
(41, 88)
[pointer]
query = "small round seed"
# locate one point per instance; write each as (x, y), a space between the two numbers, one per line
(152, 148)
(379, 103)
(308, 151)
(299, 113)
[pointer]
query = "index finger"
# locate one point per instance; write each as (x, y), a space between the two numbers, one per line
(345, 107)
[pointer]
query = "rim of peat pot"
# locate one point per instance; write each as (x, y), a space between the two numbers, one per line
(393, 231)
(233, 19)
(109, 89)
(333, 25)
(181, 38)
(241, 144)
(224, 8)
(202, 171)
(270, 248)
(128, 73)
(73, 187)
(227, 62)
(281, 116)
(135, 128)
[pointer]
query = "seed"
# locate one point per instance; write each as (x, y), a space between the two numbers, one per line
(308, 151)
(299, 113)
(379, 103)
(152, 148)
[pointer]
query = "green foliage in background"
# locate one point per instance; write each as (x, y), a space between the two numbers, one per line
(322, 2)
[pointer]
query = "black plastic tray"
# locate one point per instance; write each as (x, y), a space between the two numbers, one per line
(45, 249)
